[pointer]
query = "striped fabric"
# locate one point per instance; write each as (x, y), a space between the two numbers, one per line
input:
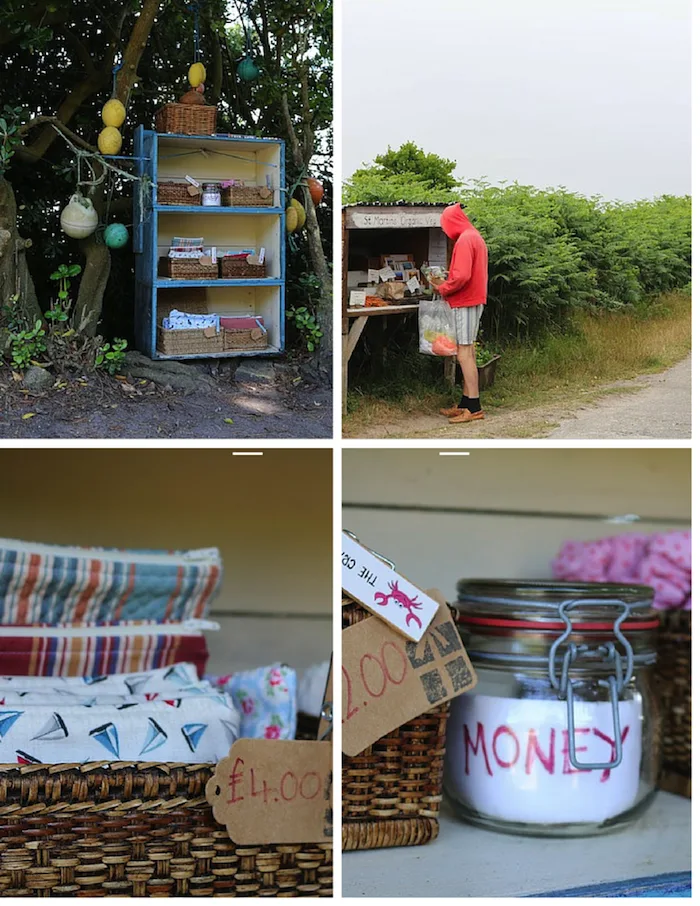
(98, 655)
(467, 321)
(51, 586)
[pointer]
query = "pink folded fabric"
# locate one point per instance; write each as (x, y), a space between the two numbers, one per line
(662, 561)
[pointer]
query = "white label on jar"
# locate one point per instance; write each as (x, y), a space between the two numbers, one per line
(509, 759)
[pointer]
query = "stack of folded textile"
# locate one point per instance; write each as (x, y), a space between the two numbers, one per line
(68, 611)
(162, 715)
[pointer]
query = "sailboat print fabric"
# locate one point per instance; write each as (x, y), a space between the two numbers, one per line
(165, 715)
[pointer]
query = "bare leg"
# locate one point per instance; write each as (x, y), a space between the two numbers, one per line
(466, 356)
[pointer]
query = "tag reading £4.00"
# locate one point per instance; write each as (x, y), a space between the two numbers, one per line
(386, 593)
(388, 680)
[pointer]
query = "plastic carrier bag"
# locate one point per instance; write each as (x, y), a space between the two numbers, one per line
(436, 327)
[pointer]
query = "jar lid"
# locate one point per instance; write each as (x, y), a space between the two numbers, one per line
(537, 604)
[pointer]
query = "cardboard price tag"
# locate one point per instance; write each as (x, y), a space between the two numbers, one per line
(386, 593)
(388, 680)
(274, 791)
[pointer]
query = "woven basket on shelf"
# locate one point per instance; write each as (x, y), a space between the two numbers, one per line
(244, 196)
(186, 119)
(673, 673)
(188, 342)
(135, 830)
(188, 268)
(392, 790)
(244, 339)
(239, 267)
(177, 193)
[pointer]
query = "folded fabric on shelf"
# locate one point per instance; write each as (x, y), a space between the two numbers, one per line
(91, 649)
(662, 561)
(45, 583)
(180, 320)
(266, 700)
(75, 720)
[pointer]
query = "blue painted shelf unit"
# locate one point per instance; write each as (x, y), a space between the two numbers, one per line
(165, 157)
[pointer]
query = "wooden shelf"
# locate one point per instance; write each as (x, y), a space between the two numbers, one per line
(235, 353)
(219, 209)
(174, 283)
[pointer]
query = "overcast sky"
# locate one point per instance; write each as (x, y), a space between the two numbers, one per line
(593, 95)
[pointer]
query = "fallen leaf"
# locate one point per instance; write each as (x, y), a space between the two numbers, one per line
(16, 376)
(296, 380)
(229, 421)
(29, 415)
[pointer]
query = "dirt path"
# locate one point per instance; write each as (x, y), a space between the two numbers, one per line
(658, 407)
(649, 406)
(104, 409)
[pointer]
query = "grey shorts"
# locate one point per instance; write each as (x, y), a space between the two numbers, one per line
(467, 324)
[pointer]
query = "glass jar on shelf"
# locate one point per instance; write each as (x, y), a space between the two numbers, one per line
(562, 734)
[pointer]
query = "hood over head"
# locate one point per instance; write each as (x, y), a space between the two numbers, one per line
(454, 221)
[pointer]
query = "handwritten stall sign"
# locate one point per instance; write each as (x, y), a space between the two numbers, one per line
(274, 791)
(375, 585)
(392, 218)
(509, 758)
(388, 680)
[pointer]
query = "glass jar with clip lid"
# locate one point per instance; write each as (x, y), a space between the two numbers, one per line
(562, 734)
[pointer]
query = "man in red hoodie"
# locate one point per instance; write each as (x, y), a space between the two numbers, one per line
(465, 291)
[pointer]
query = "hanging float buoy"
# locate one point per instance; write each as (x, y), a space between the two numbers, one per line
(116, 236)
(247, 70)
(79, 218)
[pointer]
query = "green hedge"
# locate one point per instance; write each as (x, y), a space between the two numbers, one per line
(553, 251)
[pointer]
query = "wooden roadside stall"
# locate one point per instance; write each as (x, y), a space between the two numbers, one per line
(373, 233)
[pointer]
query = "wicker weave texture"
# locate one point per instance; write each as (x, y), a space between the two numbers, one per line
(246, 196)
(673, 672)
(136, 830)
(186, 119)
(177, 193)
(392, 791)
(243, 339)
(239, 267)
(188, 342)
(188, 268)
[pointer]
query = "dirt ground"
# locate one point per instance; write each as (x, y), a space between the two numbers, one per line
(291, 404)
(649, 406)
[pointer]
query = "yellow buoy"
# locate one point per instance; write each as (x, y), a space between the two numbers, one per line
(292, 220)
(197, 74)
(109, 141)
(113, 113)
(301, 213)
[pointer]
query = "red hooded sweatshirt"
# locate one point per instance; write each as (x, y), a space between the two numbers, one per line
(467, 280)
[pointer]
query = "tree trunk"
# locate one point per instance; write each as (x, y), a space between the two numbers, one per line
(15, 279)
(313, 233)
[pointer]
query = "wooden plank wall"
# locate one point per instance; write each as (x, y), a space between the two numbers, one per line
(269, 515)
(504, 513)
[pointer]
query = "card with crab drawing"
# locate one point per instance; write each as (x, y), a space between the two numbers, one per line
(374, 583)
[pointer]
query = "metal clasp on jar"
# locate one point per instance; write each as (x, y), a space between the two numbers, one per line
(605, 654)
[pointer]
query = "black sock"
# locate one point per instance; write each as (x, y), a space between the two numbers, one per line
(471, 403)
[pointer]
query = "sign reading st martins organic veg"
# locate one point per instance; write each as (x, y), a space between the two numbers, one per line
(389, 680)
(274, 791)
(399, 218)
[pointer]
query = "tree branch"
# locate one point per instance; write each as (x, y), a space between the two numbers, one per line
(126, 77)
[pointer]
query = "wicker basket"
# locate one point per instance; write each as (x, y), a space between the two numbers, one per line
(673, 673)
(188, 342)
(136, 830)
(177, 193)
(186, 119)
(188, 268)
(246, 196)
(239, 267)
(392, 790)
(243, 339)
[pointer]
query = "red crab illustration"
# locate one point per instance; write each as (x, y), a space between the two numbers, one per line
(402, 599)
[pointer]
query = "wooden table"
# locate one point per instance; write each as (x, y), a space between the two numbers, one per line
(352, 333)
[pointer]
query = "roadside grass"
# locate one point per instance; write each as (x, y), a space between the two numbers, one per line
(600, 348)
